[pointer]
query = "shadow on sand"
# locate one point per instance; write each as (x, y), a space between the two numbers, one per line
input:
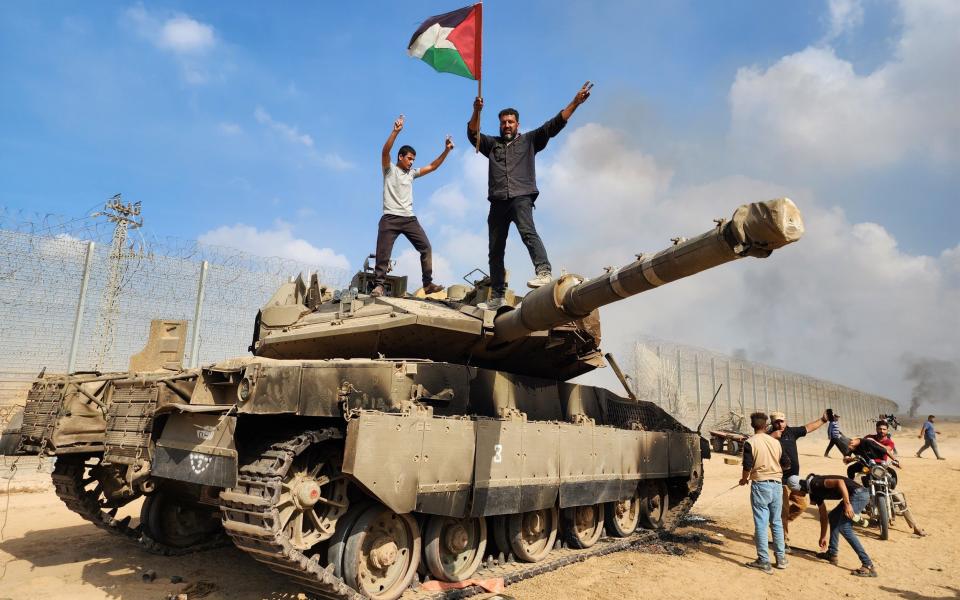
(118, 564)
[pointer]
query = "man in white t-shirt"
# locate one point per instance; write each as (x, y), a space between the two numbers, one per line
(398, 218)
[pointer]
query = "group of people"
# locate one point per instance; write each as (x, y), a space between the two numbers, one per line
(511, 191)
(771, 464)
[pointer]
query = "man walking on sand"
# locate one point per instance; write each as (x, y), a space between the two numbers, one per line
(929, 435)
(833, 432)
(398, 218)
(512, 187)
(763, 464)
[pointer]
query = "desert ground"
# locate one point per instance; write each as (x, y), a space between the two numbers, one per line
(48, 553)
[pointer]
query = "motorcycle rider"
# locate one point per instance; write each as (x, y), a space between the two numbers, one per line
(898, 498)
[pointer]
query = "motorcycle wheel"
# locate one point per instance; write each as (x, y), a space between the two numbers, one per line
(883, 517)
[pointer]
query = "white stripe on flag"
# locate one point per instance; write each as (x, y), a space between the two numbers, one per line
(434, 37)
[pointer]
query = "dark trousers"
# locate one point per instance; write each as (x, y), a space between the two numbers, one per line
(830, 446)
(390, 227)
(518, 211)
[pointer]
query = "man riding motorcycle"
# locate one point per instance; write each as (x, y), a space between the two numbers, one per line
(877, 449)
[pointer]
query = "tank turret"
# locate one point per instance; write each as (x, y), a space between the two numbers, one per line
(553, 332)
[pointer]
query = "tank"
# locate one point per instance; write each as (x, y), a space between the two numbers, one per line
(375, 447)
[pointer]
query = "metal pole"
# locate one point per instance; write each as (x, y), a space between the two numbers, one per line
(729, 396)
(713, 383)
(696, 368)
(766, 392)
(796, 406)
(75, 343)
(659, 378)
(680, 401)
(753, 380)
(198, 313)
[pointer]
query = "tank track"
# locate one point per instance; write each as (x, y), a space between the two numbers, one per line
(250, 519)
(68, 483)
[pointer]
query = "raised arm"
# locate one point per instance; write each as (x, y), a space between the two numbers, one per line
(579, 99)
(473, 125)
(817, 424)
(438, 160)
(388, 145)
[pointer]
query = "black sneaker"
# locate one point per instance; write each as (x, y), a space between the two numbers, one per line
(761, 566)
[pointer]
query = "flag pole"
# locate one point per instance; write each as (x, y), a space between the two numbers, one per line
(479, 51)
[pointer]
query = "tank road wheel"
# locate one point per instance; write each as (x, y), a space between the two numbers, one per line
(583, 525)
(338, 542)
(654, 502)
(313, 495)
(623, 516)
(532, 534)
(175, 522)
(454, 548)
(94, 491)
(382, 553)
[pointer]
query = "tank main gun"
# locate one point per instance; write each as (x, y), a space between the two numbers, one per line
(755, 229)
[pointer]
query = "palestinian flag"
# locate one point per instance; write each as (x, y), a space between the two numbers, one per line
(450, 43)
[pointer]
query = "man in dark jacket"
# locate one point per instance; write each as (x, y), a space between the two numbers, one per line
(512, 187)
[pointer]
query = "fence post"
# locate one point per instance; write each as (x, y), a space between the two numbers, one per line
(713, 384)
(680, 401)
(696, 368)
(75, 342)
(197, 314)
(729, 393)
(660, 369)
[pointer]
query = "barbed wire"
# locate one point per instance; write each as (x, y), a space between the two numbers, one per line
(42, 258)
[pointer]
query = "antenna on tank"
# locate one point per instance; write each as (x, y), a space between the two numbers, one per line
(715, 394)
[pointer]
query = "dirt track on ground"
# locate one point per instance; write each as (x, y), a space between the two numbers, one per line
(48, 553)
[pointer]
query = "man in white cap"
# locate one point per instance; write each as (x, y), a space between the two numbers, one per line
(788, 437)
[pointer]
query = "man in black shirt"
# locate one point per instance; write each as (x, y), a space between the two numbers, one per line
(854, 498)
(868, 448)
(788, 437)
(512, 187)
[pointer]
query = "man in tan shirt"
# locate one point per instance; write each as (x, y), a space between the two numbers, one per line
(763, 464)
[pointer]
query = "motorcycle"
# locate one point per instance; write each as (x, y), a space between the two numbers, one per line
(880, 479)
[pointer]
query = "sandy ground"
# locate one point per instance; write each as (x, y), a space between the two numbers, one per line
(47, 553)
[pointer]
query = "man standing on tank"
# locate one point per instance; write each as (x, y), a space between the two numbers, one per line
(512, 187)
(398, 217)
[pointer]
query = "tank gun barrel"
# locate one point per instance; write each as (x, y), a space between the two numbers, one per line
(755, 229)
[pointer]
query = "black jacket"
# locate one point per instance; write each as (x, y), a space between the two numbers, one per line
(513, 172)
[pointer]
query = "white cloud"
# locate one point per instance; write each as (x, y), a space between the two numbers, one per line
(186, 35)
(813, 109)
(228, 128)
(278, 241)
(845, 15)
(292, 134)
(186, 38)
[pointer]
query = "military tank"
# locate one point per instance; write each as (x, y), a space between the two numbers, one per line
(368, 445)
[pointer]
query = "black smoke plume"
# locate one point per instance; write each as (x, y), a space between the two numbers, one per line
(936, 382)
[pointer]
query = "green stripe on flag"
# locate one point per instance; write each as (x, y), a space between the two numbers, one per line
(447, 60)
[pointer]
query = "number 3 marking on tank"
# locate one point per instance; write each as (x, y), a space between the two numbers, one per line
(498, 453)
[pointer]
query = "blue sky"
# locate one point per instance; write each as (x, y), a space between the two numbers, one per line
(260, 126)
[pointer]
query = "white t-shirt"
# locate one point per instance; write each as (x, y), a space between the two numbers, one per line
(398, 190)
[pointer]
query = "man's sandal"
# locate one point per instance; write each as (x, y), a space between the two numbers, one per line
(864, 572)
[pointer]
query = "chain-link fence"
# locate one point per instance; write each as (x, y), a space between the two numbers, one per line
(79, 295)
(683, 379)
